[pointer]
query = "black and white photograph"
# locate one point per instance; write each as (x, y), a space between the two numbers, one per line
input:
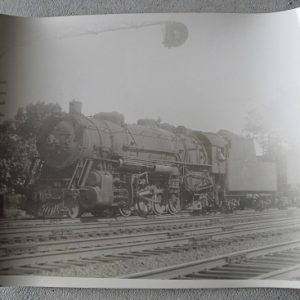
(150, 148)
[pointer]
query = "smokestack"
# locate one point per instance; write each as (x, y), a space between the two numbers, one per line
(75, 107)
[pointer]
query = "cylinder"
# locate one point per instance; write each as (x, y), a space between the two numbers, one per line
(96, 196)
(90, 197)
(94, 178)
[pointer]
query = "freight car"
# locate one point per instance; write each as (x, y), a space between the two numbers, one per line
(102, 165)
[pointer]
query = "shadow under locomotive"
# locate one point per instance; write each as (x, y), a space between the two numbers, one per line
(104, 166)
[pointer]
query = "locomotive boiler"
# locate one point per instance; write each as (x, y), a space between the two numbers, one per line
(101, 164)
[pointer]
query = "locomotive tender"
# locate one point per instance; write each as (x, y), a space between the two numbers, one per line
(101, 164)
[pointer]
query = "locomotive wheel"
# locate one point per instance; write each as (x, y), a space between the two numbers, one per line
(125, 211)
(159, 207)
(74, 210)
(144, 207)
(259, 205)
(173, 204)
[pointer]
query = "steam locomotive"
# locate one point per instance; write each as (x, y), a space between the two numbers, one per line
(102, 165)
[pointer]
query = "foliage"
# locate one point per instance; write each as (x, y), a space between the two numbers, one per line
(257, 129)
(30, 119)
(18, 143)
(271, 143)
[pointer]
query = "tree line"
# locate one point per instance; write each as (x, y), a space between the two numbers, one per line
(18, 143)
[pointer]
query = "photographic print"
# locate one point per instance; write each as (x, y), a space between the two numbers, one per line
(150, 146)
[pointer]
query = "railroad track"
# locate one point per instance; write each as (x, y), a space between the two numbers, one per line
(275, 261)
(36, 257)
(87, 218)
(56, 232)
(219, 230)
(16, 224)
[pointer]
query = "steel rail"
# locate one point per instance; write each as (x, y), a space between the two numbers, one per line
(179, 270)
(208, 232)
(62, 236)
(17, 223)
(115, 225)
(119, 248)
(213, 231)
(289, 273)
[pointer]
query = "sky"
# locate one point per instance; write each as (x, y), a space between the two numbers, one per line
(229, 65)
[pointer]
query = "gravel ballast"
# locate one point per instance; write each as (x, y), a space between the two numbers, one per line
(121, 267)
